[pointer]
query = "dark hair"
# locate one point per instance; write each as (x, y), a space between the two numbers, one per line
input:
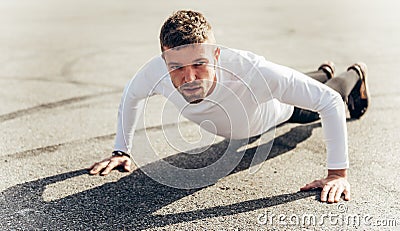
(184, 27)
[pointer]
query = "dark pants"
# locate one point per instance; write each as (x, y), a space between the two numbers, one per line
(343, 84)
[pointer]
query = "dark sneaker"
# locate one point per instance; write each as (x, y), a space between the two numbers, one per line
(358, 100)
(329, 68)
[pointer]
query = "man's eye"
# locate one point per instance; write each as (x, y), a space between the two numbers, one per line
(176, 67)
(199, 64)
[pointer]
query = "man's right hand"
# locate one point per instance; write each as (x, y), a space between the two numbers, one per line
(105, 166)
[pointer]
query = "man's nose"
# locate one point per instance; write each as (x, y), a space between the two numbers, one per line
(189, 74)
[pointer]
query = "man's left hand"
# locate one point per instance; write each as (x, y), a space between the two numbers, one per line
(332, 186)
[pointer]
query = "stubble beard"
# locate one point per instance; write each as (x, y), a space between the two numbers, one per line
(197, 96)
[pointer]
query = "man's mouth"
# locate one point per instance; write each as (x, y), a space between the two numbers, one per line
(191, 90)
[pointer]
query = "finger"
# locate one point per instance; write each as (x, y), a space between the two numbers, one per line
(332, 194)
(109, 167)
(347, 193)
(338, 194)
(98, 167)
(89, 168)
(314, 184)
(92, 166)
(324, 192)
(127, 165)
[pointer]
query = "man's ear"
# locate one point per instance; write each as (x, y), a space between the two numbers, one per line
(163, 56)
(163, 50)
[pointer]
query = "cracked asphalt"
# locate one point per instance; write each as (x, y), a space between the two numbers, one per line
(63, 66)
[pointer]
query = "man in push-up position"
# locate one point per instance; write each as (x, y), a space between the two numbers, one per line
(243, 95)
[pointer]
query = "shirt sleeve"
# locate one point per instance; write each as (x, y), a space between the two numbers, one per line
(133, 100)
(292, 87)
(129, 111)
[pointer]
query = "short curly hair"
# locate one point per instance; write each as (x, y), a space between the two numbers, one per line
(184, 27)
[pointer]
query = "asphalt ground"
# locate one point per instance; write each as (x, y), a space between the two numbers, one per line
(63, 66)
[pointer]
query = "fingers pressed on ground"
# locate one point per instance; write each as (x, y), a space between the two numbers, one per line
(92, 166)
(111, 165)
(332, 194)
(98, 167)
(324, 192)
(127, 165)
(346, 194)
(338, 194)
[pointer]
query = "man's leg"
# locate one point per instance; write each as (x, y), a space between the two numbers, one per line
(344, 83)
(351, 85)
(325, 73)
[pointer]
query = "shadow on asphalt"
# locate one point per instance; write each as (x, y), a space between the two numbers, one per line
(130, 202)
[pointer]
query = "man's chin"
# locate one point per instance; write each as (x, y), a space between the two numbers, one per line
(193, 100)
(196, 101)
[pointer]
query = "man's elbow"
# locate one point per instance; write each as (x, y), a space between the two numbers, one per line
(333, 104)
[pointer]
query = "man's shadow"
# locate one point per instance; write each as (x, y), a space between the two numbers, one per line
(130, 202)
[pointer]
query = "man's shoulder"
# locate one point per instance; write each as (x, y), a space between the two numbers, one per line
(154, 68)
(238, 61)
(239, 58)
(231, 53)
(154, 63)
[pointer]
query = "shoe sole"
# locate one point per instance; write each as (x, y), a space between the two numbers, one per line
(329, 68)
(359, 100)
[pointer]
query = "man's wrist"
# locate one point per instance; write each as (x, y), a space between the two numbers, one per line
(338, 172)
(120, 153)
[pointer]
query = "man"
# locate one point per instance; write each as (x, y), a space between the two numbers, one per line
(242, 94)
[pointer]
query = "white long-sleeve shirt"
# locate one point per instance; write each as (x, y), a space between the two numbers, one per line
(252, 95)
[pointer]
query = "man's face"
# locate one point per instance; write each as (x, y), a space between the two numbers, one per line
(192, 70)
